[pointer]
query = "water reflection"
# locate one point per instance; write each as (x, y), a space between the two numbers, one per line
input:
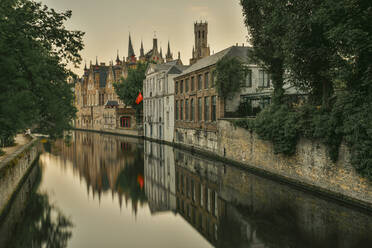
(106, 164)
(230, 207)
(173, 198)
(36, 221)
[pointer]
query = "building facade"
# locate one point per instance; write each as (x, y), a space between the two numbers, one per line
(98, 105)
(158, 100)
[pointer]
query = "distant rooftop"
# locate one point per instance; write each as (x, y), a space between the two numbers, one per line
(239, 52)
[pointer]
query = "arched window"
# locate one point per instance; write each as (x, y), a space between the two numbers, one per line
(125, 121)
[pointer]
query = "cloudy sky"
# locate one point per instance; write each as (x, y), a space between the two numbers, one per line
(107, 23)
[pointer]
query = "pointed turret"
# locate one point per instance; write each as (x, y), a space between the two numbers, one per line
(142, 51)
(179, 55)
(169, 56)
(118, 62)
(85, 66)
(131, 56)
(96, 60)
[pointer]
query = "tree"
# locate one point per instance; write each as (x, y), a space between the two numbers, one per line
(129, 88)
(324, 45)
(35, 48)
(266, 24)
(230, 76)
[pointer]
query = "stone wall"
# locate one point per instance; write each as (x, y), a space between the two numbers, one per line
(310, 166)
(16, 214)
(199, 139)
(13, 169)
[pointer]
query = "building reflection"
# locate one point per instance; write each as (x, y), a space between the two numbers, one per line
(160, 177)
(107, 164)
(228, 206)
(231, 207)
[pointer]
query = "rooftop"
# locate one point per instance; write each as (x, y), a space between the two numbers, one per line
(239, 52)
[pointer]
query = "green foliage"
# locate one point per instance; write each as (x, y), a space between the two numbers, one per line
(266, 24)
(322, 45)
(129, 88)
(230, 76)
(278, 123)
(34, 50)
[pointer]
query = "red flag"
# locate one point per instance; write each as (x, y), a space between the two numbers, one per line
(139, 98)
(140, 180)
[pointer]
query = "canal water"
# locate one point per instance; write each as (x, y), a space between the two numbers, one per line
(101, 190)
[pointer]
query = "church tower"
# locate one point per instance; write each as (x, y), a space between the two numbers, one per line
(201, 48)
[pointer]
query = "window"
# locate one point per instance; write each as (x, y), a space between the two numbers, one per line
(206, 80)
(201, 195)
(187, 109)
(206, 108)
(181, 110)
(207, 198)
(186, 85)
(125, 121)
(248, 79)
(176, 87)
(214, 78)
(214, 108)
(215, 203)
(187, 187)
(199, 109)
(263, 79)
(193, 190)
(192, 116)
(199, 82)
(192, 84)
(181, 86)
(177, 110)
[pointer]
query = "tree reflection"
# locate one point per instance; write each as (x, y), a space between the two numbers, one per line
(43, 225)
(130, 182)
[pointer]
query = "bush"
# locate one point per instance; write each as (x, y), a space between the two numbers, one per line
(349, 119)
(279, 124)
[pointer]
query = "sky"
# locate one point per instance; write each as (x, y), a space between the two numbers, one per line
(107, 24)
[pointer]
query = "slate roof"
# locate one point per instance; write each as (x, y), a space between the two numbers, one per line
(171, 66)
(233, 51)
(111, 103)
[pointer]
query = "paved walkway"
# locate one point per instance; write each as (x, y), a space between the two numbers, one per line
(20, 141)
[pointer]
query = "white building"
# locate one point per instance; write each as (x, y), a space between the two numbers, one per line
(158, 100)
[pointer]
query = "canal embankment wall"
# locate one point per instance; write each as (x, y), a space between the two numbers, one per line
(310, 168)
(138, 133)
(15, 216)
(13, 171)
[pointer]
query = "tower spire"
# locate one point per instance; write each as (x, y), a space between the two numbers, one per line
(169, 55)
(117, 58)
(96, 60)
(142, 53)
(130, 48)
